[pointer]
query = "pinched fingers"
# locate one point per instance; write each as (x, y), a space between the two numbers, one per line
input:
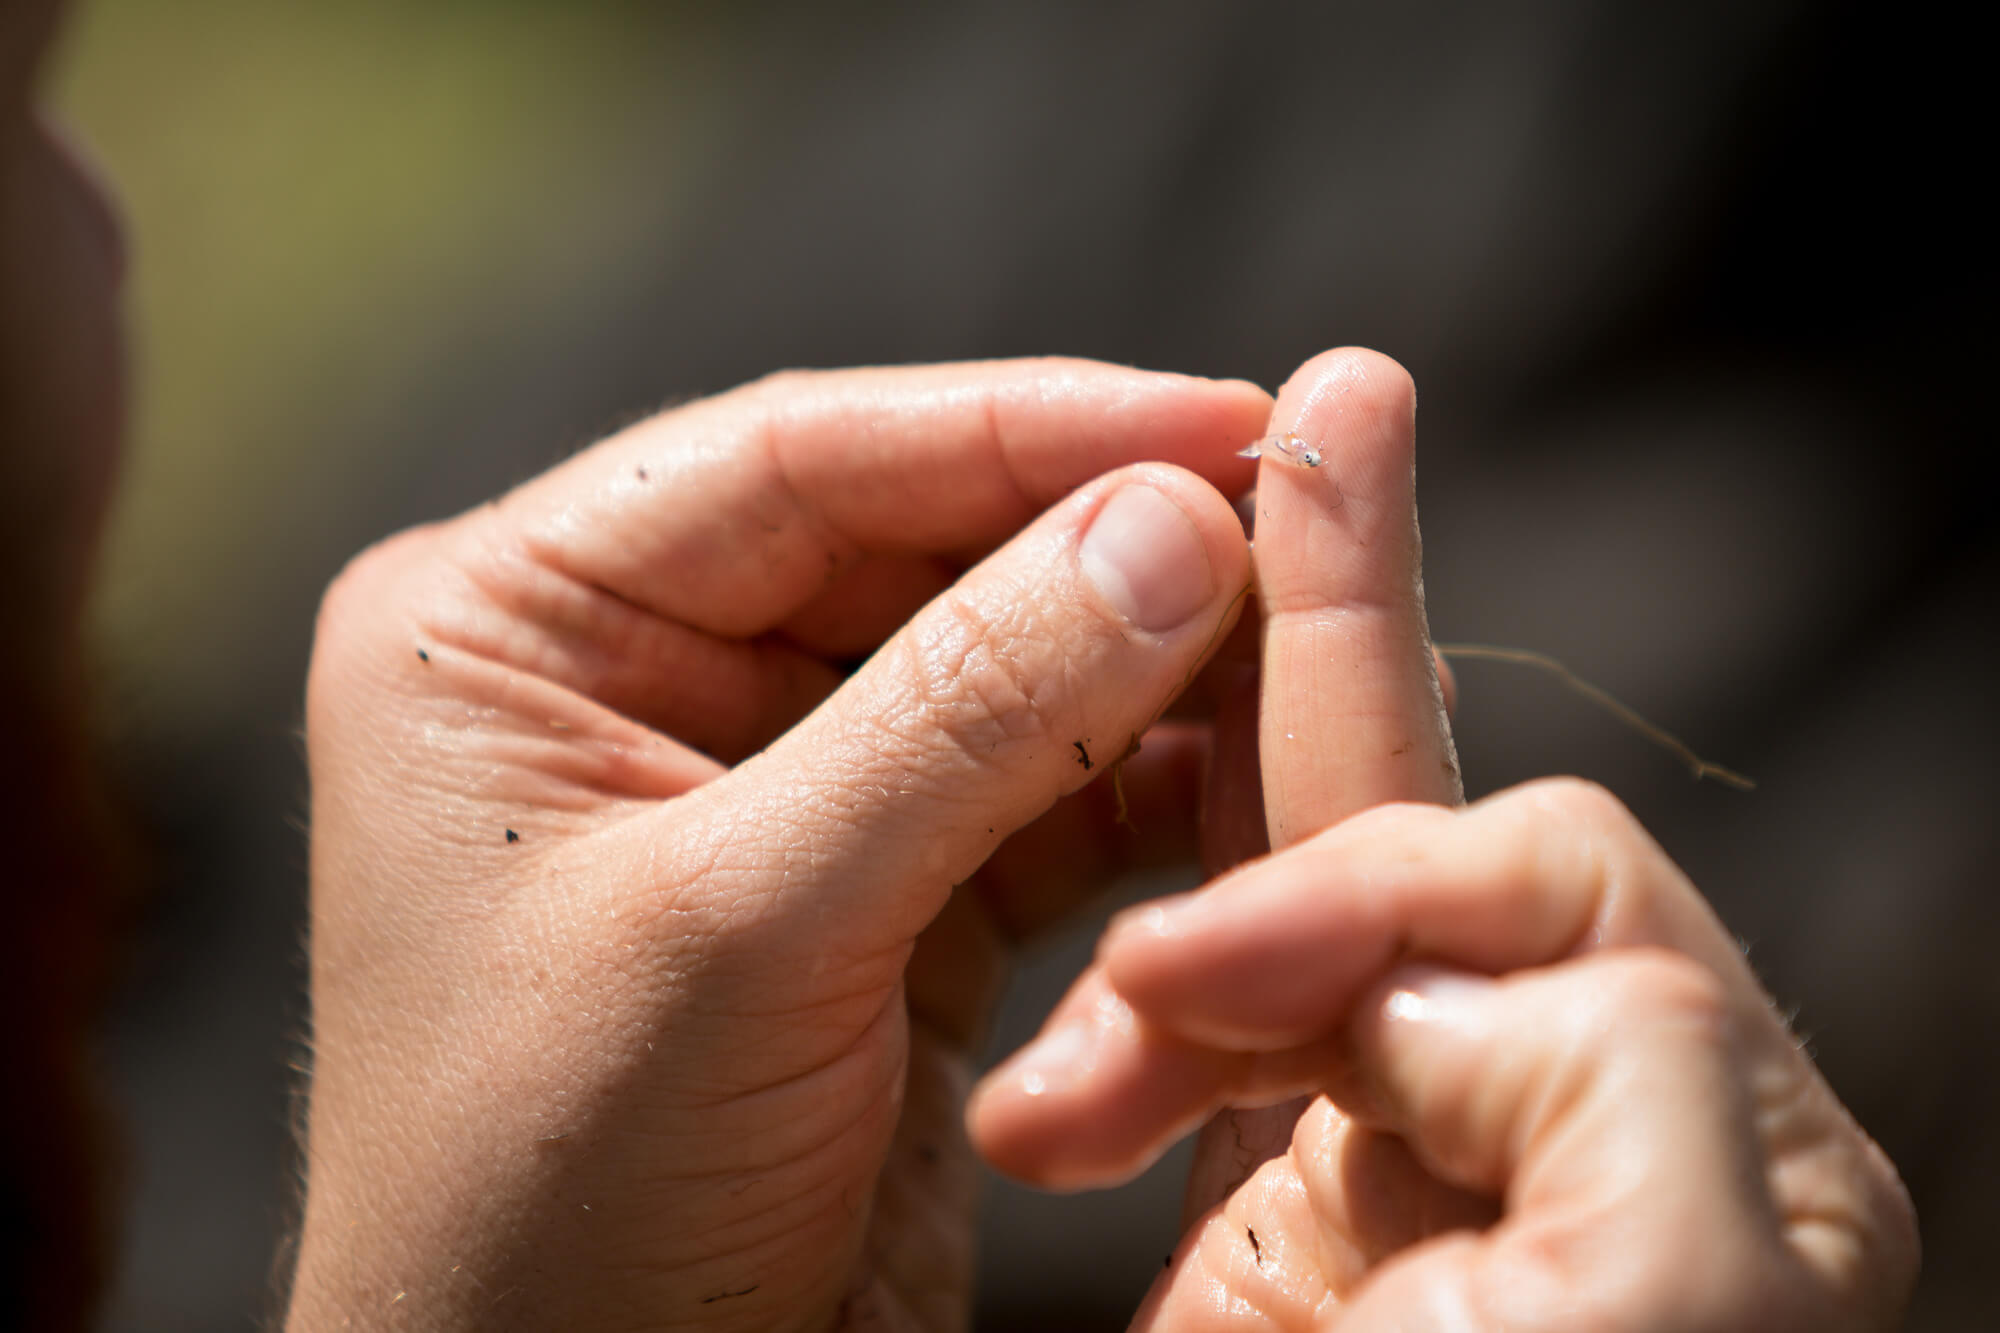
(1534, 874)
(1351, 711)
(695, 572)
(1600, 1100)
(1613, 1103)
(1265, 964)
(1249, 990)
(729, 514)
(1016, 687)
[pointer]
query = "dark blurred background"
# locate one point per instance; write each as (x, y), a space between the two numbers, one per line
(1688, 292)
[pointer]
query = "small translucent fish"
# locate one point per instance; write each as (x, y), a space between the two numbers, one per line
(1292, 448)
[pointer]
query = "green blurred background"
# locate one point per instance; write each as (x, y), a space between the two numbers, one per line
(332, 205)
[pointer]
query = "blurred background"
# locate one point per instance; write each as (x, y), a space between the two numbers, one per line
(1688, 292)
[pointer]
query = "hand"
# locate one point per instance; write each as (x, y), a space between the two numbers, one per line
(642, 994)
(1546, 1090)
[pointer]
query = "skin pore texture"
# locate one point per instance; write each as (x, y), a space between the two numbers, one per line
(1620, 1109)
(674, 817)
(652, 938)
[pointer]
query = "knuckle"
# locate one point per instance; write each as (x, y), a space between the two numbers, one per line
(776, 385)
(1580, 804)
(1636, 885)
(1416, 822)
(346, 606)
(1662, 985)
(351, 615)
(1586, 837)
(758, 412)
(983, 678)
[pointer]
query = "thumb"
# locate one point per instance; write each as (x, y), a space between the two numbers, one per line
(1015, 687)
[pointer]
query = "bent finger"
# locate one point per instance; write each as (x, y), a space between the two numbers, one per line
(731, 514)
(1272, 954)
(1266, 964)
(1607, 1101)
(968, 724)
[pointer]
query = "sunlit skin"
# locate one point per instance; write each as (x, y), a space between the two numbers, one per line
(650, 944)
(1617, 1132)
(652, 936)
(695, 1047)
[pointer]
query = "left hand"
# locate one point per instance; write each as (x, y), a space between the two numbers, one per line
(650, 935)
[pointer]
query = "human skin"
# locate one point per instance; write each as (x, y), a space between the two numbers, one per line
(1539, 1086)
(643, 996)
(468, 1000)
(612, 1035)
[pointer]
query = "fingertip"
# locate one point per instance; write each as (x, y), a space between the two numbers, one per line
(1045, 1125)
(1247, 405)
(1221, 417)
(1095, 1098)
(1356, 410)
(1354, 382)
(1228, 971)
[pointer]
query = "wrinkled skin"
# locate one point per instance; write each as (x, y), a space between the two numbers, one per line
(1514, 1073)
(612, 1033)
(650, 944)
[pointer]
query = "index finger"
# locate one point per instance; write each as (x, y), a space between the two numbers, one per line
(730, 514)
(1238, 993)
(1352, 712)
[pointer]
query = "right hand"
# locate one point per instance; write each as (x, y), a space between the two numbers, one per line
(1545, 1091)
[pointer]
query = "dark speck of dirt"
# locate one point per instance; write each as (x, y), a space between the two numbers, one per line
(423, 656)
(1082, 755)
(513, 836)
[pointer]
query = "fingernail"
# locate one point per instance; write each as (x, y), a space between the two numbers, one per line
(1145, 557)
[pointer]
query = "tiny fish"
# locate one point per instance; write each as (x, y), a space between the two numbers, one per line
(1292, 448)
